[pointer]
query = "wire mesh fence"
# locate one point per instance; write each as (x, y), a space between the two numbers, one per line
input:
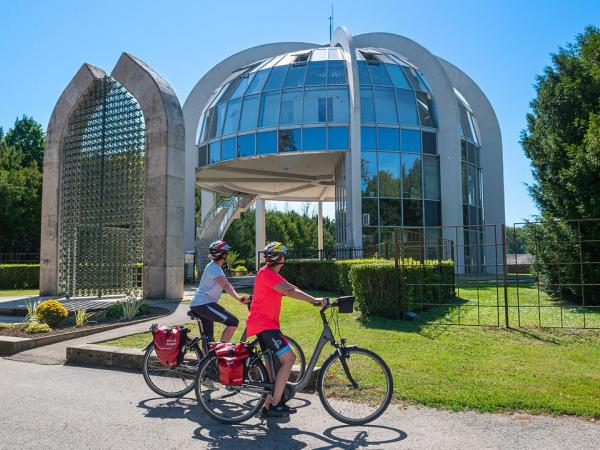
(533, 274)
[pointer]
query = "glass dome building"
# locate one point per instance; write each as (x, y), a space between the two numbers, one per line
(398, 138)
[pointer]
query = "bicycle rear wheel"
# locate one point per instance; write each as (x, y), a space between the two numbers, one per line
(170, 381)
(228, 403)
(300, 360)
(355, 388)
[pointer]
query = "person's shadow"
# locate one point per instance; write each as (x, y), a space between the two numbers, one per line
(269, 434)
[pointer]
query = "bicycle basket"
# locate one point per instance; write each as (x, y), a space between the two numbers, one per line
(345, 304)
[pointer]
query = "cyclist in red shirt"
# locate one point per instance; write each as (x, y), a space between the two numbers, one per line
(263, 320)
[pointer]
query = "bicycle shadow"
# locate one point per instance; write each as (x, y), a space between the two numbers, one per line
(264, 435)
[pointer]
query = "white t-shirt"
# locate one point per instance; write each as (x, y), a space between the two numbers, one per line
(209, 291)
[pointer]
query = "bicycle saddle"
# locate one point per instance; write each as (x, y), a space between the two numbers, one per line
(192, 314)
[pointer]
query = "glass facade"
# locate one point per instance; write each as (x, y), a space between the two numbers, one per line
(303, 105)
(400, 175)
(472, 192)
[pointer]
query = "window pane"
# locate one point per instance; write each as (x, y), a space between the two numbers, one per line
(291, 107)
(411, 74)
(397, 76)
(269, 109)
(232, 117)
(367, 138)
(316, 73)
(368, 174)
(243, 85)
(411, 176)
(390, 211)
(465, 186)
(246, 145)
(276, 78)
(463, 149)
(413, 213)
(369, 234)
(389, 175)
(407, 107)
(338, 138)
(295, 76)
(211, 121)
(336, 72)
(465, 128)
(378, 74)
(470, 153)
(314, 138)
(266, 142)
(388, 139)
(215, 152)
(340, 105)
(367, 110)
(472, 184)
(431, 174)
(429, 143)
(363, 73)
(315, 105)
(289, 140)
(258, 81)
(220, 109)
(426, 113)
(202, 156)
(411, 141)
(433, 216)
(385, 105)
(369, 208)
(228, 149)
(249, 112)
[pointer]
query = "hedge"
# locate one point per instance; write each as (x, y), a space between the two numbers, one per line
(19, 276)
(375, 290)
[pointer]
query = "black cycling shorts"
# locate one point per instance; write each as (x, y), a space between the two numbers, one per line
(211, 313)
(275, 341)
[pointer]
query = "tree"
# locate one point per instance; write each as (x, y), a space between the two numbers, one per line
(27, 136)
(21, 155)
(562, 141)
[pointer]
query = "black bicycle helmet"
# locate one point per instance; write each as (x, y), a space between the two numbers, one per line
(273, 252)
(218, 249)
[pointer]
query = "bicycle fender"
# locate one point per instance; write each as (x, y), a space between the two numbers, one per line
(342, 351)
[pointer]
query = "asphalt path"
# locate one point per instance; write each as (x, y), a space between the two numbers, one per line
(53, 406)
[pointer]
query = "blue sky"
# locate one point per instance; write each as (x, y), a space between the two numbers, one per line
(501, 45)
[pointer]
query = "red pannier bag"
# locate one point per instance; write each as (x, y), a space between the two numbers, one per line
(231, 359)
(168, 343)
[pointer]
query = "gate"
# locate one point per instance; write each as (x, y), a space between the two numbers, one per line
(101, 216)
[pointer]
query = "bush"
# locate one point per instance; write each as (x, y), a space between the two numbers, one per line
(144, 309)
(6, 326)
(113, 311)
(19, 276)
(376, 294)
(343, 269)
(239, 269)
(127, 309)
(52, 312)
(34, 328)
(82, 316)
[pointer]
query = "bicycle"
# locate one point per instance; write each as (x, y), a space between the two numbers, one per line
(355, 385)
(177, 381)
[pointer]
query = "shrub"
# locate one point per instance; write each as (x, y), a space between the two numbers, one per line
(312, 274)
(114, 310)
(52, 312)
(343, 270)
(19, 276)
(37, 328)
(82, 316)
(376, 293)
(144, 309)
(130, 308)
(6, 326)
(32, 315)
(239, 269)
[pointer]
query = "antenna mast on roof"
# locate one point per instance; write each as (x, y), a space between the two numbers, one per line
(331, 24)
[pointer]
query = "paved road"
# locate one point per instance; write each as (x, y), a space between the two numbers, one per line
(50, 406)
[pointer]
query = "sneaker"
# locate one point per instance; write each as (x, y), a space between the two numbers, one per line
(289, 409)
(278, 410)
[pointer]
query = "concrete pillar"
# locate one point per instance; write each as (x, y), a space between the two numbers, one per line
(320, 229)
(207, 201)
(260, 227)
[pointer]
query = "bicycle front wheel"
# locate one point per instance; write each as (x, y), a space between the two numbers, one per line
(171, 382)
(355, 388)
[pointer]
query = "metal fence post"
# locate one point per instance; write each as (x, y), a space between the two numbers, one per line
(505, 275)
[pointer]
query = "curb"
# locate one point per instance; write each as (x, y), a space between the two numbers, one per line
(107, 356)
(10, 345)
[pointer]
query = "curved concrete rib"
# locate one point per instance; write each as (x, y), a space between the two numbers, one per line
(68, 100)
(164, 177)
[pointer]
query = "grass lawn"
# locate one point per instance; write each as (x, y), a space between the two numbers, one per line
(479, 368)
(16, 292)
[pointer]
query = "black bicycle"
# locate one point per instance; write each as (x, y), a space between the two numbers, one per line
(177, 381)
(354, 384)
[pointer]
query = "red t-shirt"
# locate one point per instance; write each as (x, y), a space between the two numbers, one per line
(266, 303)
